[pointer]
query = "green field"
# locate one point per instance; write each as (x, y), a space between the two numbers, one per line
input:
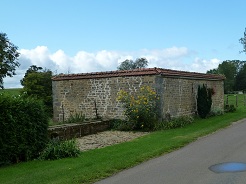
(12, 91)
(237, 100)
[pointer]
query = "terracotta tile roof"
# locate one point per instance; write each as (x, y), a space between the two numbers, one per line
(139, 72)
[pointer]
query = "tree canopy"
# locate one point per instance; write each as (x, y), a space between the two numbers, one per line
(130, 64)
(37, 83)
(234, 72)
(8, 58)
(32, 69)
(240, 82)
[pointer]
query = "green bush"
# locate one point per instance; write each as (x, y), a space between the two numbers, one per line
(76, 118)
(230, 108)
(204, 101)
(216, 112)
(140, 108)
(23, 129)
(174, 123)
(57, 149)
(119, 124)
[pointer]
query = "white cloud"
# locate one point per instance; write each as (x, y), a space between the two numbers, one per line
(202, 65)
(39, 56)
(61, 60)
(179, 58)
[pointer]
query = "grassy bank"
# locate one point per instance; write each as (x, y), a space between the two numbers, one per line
(96, 164)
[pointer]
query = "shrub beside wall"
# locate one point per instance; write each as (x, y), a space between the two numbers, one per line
(23, 129)
(140, 108)
(204, 101)
(57, 149)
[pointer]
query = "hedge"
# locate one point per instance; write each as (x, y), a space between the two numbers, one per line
(23, 129)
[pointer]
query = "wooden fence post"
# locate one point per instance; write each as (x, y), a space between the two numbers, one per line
(236, 101)
(244, 100)
(63, 118)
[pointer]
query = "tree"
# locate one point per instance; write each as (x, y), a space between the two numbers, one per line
(8, 58)
(130, 64)
(243, 41)
(37, 83)
(240, 84)
(204, 101)
(229, 68)
(213, 71)
(32, 69)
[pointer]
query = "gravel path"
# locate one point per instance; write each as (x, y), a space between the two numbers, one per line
(106, 138)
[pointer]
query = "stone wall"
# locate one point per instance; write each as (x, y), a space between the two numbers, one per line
(179, 96)
(97, 97)
(69, 131)
(86, 95)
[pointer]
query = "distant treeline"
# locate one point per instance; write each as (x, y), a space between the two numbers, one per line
(235, 73)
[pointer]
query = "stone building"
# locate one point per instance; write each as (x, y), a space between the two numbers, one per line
(94, 94)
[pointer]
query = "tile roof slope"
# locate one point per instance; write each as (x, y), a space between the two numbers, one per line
(138, 72)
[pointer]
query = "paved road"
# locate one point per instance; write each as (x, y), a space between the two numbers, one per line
(190, 165)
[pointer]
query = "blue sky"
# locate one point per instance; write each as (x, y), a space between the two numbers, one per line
(79, 36)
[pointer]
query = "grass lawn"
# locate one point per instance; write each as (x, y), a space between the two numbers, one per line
(96, 164)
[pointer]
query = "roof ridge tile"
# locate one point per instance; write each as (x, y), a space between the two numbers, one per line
(138, 72)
